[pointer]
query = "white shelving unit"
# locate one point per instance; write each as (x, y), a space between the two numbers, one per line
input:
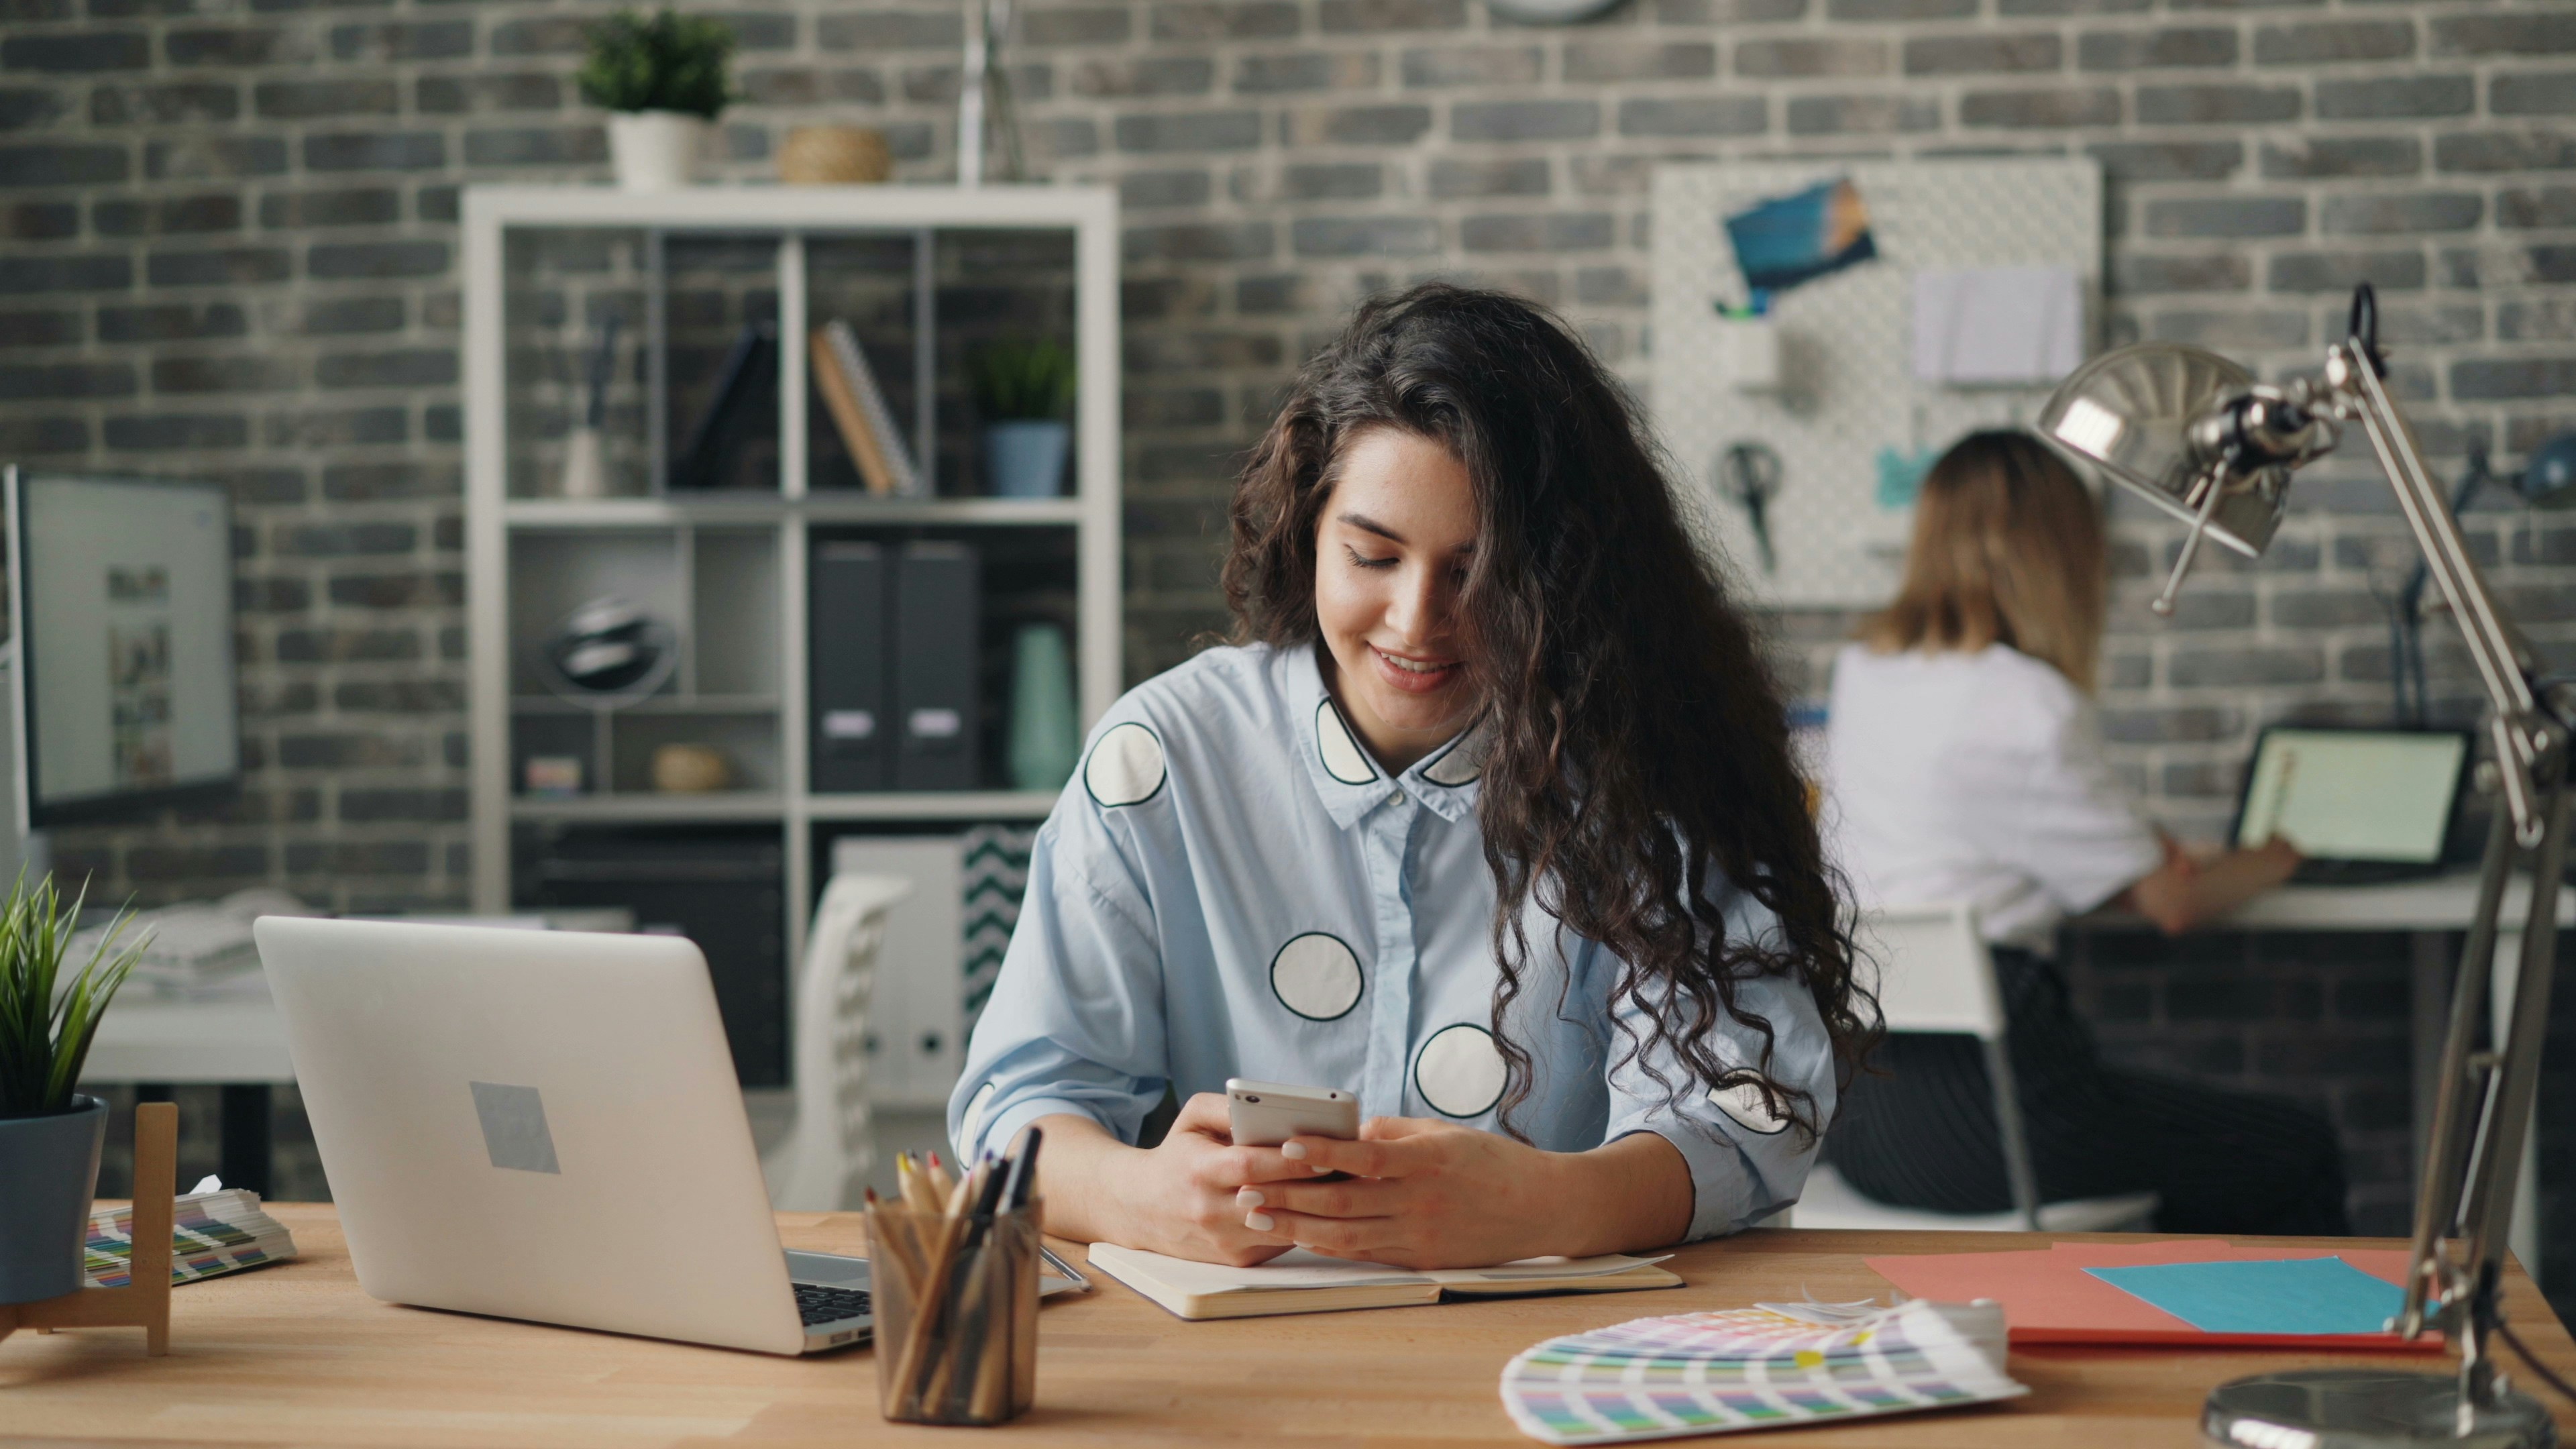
(729, 566)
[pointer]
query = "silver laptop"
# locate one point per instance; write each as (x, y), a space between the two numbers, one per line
(545, 1125)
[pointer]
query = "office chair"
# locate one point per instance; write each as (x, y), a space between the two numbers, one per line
(823, 1161)
(1938, 976)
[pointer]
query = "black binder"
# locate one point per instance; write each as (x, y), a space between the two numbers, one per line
(937, 595)
(847, 628)
(746, 396)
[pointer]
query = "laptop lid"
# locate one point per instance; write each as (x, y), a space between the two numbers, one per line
(2353, 795)
(533, 1124)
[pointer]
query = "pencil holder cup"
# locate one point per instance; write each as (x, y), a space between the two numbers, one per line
(956, 1301)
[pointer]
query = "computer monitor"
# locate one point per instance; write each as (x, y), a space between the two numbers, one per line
(121, 609)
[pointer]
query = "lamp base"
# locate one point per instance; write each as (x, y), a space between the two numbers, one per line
(2366, 1409)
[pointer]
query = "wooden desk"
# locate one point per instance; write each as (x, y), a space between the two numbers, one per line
(298, 1354)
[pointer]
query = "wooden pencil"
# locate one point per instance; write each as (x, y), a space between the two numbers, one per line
(917, 1192)
(883, 1249)
(927, 1311)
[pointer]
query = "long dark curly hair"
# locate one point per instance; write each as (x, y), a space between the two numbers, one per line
(1638, 745)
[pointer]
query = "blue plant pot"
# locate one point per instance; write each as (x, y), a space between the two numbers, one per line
(1026, 459)
(48, 1171)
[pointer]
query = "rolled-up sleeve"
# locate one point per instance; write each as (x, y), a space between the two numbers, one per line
(1745, 1163)
(1075, 1021)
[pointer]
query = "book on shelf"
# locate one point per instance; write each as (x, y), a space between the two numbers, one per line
(210, 1233)
(748, 374)
(841, 400)
(859, 410)
(1301, 1282)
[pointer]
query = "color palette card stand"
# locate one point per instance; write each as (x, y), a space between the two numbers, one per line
(144, 1302)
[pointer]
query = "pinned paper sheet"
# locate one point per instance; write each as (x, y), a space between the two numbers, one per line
(2280, 1295)
(1997, 326)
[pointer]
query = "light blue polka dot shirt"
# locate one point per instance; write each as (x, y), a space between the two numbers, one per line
(1231, 887)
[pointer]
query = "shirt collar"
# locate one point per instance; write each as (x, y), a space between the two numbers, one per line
(1348, 779)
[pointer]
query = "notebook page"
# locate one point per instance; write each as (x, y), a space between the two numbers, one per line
(1298, 1268)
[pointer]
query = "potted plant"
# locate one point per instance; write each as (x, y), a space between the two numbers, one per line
(665, 77)
(1024, 392)
(49, 1136)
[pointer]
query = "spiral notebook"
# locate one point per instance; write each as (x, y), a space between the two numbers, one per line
(1303, 1282)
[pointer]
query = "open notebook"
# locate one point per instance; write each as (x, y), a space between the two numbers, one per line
(1303, 1282)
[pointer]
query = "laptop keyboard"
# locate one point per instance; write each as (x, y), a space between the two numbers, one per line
(819, 1304)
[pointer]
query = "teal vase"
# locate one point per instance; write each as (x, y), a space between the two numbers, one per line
(1045, 738)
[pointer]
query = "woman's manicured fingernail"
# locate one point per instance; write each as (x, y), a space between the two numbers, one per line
(1258, 1222)
(1249, 1197)
(1292, 1149)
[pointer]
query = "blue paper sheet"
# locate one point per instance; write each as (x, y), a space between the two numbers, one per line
(2297, 1295)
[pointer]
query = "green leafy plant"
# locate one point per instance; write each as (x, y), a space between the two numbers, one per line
(662, 62)
(46, 1022)
(1022, 379)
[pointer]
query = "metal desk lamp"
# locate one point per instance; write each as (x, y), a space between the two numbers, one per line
(2196, 435)
(2547, 480)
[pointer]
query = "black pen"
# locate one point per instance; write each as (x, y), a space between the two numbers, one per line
(1019, 1180)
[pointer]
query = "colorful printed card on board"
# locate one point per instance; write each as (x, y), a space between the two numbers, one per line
(1772, 1366)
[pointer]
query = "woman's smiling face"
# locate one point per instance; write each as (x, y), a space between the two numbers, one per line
(1391, 554)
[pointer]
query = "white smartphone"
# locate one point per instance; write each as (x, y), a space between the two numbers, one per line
(1265, 1114)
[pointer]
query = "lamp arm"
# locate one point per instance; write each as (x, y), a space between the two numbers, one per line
(2504, 659)
(2483, 1110)
(2406, 618)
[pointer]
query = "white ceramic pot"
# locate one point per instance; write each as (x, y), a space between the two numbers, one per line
(656, 150)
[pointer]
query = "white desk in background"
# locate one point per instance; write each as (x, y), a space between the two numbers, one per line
(2430, 911)
(232, 1038)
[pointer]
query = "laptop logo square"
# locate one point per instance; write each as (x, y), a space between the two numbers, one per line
(514, 1127)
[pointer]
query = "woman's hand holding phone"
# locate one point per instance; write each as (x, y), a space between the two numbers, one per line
(1181, 1197)
(1423, 1193)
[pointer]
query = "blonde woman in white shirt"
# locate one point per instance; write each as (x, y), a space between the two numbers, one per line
(1964, 763)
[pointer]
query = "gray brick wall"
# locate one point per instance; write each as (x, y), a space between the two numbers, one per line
(227, 247)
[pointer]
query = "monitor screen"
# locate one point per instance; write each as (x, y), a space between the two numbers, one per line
(2381, 795)
(124, 608)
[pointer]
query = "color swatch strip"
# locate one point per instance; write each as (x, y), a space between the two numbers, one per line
(1754, 1368)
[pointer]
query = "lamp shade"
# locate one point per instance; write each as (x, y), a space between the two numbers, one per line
(2132, 413)
(2549, 479)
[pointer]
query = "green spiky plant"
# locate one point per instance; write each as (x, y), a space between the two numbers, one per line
(661, 62)
(1022, 379)
(46, 1022)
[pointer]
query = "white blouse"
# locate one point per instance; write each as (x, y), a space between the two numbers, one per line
(1978, 778)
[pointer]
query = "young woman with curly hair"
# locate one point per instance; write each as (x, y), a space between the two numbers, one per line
(1486, 816)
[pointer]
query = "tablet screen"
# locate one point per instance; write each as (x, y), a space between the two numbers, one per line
(2353, 794)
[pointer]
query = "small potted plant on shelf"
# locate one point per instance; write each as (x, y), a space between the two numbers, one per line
(49, 1136)
(1024, 393)
(665, 77)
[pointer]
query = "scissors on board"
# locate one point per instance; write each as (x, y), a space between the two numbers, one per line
(1749, 473)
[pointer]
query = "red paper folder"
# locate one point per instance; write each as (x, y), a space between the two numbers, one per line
(2047, 1296)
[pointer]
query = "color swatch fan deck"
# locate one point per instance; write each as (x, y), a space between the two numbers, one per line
(210, 1233)
(1772, 1366)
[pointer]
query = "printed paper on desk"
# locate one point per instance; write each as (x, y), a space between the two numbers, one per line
(2275, 1295)
(2049, 1297)
(1998, 326)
